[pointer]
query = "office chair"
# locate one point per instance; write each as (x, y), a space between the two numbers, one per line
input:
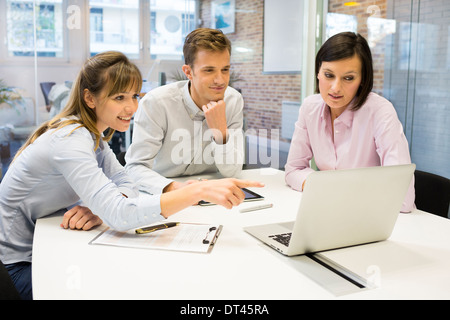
(46, 87)
(121, 157)
(432, 193)
(7, 289)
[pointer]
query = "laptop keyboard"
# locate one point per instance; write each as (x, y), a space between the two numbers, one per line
(282, 238)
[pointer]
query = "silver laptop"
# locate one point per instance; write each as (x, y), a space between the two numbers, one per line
(341, 208)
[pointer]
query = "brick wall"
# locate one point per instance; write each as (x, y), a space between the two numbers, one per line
(263, 94)
(415, 82)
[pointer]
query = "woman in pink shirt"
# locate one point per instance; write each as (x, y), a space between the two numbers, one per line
(346, 125)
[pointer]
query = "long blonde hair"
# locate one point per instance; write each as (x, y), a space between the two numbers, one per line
(110, 71)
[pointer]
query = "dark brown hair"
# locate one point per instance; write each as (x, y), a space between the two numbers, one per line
(345, 45)
(206, 39)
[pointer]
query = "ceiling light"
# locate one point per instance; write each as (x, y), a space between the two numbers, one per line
(352, 4)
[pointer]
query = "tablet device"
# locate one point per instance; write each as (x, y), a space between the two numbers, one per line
(249, 196)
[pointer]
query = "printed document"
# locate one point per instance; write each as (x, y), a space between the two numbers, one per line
(183, 237)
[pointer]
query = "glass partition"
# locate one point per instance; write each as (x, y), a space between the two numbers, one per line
(46, 43)
(410, 46)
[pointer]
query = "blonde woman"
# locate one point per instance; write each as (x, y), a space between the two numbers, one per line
(67, 163)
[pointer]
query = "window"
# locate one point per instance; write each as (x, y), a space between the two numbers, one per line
(122, 25)
(21, 25)
(170, 22)
(114, 25)
(338, 22)
(63, 33)
(409, 44)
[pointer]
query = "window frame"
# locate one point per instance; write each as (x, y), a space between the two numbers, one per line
(143, 4)
(83, 36)
(30, 60)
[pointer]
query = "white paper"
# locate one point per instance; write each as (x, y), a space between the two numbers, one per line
(183, 237)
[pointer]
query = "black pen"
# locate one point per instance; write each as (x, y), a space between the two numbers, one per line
(157, 227)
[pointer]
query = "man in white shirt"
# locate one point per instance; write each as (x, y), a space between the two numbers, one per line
(190, 127)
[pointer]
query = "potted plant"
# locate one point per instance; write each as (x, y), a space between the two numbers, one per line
(10, 96)
(12, 111)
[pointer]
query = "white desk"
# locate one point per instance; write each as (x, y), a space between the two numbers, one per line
(413, 263)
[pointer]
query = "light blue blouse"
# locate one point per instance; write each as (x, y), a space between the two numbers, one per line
(60, 169)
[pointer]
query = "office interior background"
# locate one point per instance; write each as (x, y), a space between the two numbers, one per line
(274, 44)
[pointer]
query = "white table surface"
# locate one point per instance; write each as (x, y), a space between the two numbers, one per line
(414, 263)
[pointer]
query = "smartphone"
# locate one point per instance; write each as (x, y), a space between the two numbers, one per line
(249, 196)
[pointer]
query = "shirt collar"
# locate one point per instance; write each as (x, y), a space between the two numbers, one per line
(101, 142)
(193, 111)
(346, 117)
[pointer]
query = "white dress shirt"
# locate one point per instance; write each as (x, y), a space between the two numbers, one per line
(57, 171)
(171, 138)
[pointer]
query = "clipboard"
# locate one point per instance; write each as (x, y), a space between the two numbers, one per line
(188, 237)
